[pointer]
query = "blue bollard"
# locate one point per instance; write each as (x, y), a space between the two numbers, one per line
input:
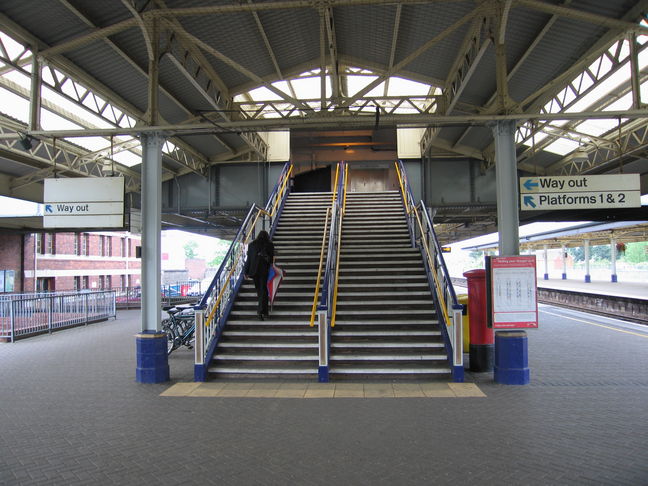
(511, 358)
(152, 359)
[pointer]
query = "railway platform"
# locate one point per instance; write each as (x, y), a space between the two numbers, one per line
(72, 413)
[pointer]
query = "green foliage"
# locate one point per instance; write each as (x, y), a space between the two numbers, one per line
(190, 249)
(219, 253)
(636, 252)
(599, 252)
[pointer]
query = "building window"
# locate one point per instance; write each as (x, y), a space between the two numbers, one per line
(102, 245)
(101, 282)
(108, 282)
(77, 244)
(123, 282)
(40, 247)
(85, 247)
(85, 282)
(109, 246)
(77, 283)
(51, 244)
(123, 247)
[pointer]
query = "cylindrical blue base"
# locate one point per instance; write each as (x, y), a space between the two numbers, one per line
(546, 276)
(152, 359)
(564, 276)
(614, 277)
(323, 374)
(511, 358)
(588, 278)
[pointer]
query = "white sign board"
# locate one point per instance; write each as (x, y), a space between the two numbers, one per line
(91, 202)
(580, 192)
(514, 302)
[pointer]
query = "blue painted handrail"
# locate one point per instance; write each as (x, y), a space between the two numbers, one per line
(214, 308)
(423, 235)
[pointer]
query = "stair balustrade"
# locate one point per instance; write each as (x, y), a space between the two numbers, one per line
(328, 301)
(216, 304)
(423, 236)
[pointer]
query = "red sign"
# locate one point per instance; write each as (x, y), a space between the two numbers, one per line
(514, 292)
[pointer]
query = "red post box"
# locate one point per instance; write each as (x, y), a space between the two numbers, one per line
(481, 336)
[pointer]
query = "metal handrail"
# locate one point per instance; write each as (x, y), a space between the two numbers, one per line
(319, 270)
(214, 307)
(438, 276)
(328, 299)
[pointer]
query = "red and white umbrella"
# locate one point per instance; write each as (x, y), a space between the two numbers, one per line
(275, 276)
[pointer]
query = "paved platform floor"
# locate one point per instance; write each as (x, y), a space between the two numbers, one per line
(71, 413)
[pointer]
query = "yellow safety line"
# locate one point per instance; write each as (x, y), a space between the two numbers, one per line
(319, 271)
(597, 325)
(346, 173)
(400, 182)
(337, 170)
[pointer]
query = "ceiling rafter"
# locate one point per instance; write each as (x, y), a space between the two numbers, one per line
(238, 67)
(414, 55)
(394, 42)
(197, 161)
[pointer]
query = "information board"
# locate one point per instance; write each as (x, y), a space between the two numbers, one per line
(513, 292)
(580, 192)
(90, 202)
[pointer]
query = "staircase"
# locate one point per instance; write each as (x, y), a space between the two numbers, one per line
(386, 325)
(283, 346)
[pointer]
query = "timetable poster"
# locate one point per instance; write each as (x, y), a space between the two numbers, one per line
(514, 303)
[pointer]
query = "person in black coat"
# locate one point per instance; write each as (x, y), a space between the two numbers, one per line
(260, 256)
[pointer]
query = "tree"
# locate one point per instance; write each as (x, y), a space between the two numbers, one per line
(219, 253)
(190, 250)
(636, 252)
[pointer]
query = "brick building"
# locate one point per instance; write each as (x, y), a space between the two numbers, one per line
(68, 261)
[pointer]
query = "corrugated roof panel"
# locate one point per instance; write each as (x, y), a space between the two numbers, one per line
(235, 36)
(102, 63)
(365, 33)
(40, 16)
(420, 24)
(293, 36)
(564, 44)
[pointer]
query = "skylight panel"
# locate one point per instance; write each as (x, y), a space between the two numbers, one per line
(263, 93)
(401, 87)
(597, 127)
(13, 48)
(14, 106)
(562, 146)
(92, 119)
(309, 88)
(127, 158)
(357, 83)
(603, 90)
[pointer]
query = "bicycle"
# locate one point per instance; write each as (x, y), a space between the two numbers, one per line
(179, 327)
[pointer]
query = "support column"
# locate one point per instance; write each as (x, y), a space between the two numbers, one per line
(152, 361)
(35, 95)
(546, 263)
(613, 255)
(564, 262)
(586, 245)
(508, 220)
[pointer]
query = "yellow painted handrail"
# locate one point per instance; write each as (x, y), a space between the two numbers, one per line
(280, 192)
(428, 254)
(440, 293)
(319, 271)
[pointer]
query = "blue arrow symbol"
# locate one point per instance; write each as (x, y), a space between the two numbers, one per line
(528, 201)
(48, 208)
(529, 184)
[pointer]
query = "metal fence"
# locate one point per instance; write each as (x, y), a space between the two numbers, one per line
(27, 314)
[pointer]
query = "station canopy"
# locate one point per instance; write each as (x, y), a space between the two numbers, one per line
(213, 77)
